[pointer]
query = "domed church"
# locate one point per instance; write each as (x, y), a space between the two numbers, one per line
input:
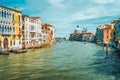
(77, 30)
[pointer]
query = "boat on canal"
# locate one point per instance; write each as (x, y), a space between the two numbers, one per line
(4, 53)
(19, 51)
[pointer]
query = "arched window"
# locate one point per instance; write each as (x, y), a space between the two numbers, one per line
(0, 29)
(5, 29)
(13, 29)
(10, 16)
(2, 13)
(19, 18)
(5, 14)
(10, 29)
(13, 16)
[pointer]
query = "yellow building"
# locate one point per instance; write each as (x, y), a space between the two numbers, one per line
(10, 28)
(17, 29)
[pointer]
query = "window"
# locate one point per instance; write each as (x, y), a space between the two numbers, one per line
(107, 31)
(5, 15)
(0, 13)
(32, 27)
(19, 37)
(5, 29)
(13, 17)
(107, 36)
(19, 18)
(10, 16)
(0, 29)
(14, 43)
(10, 43)
(13, 29)
(19, 43)
(14, 37)
(10, 30)
(0, 43)
(23, 27)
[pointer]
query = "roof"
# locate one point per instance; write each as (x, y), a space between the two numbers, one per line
(47, 25)
(10, 8)
(25, 15)
(88, 34)
(115, 21)
(35, 17)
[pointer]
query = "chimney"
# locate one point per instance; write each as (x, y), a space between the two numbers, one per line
(16, 8)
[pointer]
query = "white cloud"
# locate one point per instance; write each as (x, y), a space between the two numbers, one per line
(104, 1)
(56, 3)
(64, 13)
(93, 12)
(86, 14)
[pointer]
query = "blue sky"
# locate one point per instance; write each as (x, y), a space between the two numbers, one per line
(65, 15)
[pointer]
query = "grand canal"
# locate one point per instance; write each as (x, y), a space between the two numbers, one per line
(63, 61)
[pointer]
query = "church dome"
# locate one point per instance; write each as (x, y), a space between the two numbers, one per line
(77, 30)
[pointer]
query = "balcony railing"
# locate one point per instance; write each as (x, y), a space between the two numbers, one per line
(32, 31)
(6, 33)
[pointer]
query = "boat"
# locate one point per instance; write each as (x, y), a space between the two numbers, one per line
(20, 51)
(4, 53)
(84, 43)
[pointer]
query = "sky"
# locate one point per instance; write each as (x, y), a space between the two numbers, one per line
(65, 15)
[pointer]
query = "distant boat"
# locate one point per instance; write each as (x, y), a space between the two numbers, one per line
(99, 42)
(85, 43)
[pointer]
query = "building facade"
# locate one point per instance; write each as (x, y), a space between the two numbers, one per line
(19, 31)
(108, 33)
(10, 28)
(89, 37)
(117, 34)
(105, 33)
(31, 32)
(48, 34)
(99, 34)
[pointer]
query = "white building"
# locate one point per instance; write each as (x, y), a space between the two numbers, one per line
(31, 32)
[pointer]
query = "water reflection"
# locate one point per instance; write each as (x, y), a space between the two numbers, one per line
(71, 61)
(108, 65)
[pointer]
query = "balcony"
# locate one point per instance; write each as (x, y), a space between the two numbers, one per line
(6, 33)
(32, 31)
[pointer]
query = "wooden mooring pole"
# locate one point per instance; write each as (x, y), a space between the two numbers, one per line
(107, 49)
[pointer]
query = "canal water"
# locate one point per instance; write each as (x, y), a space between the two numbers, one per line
(63, 61)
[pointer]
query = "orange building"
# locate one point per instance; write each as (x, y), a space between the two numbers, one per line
(108, 33)
(47, 33)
